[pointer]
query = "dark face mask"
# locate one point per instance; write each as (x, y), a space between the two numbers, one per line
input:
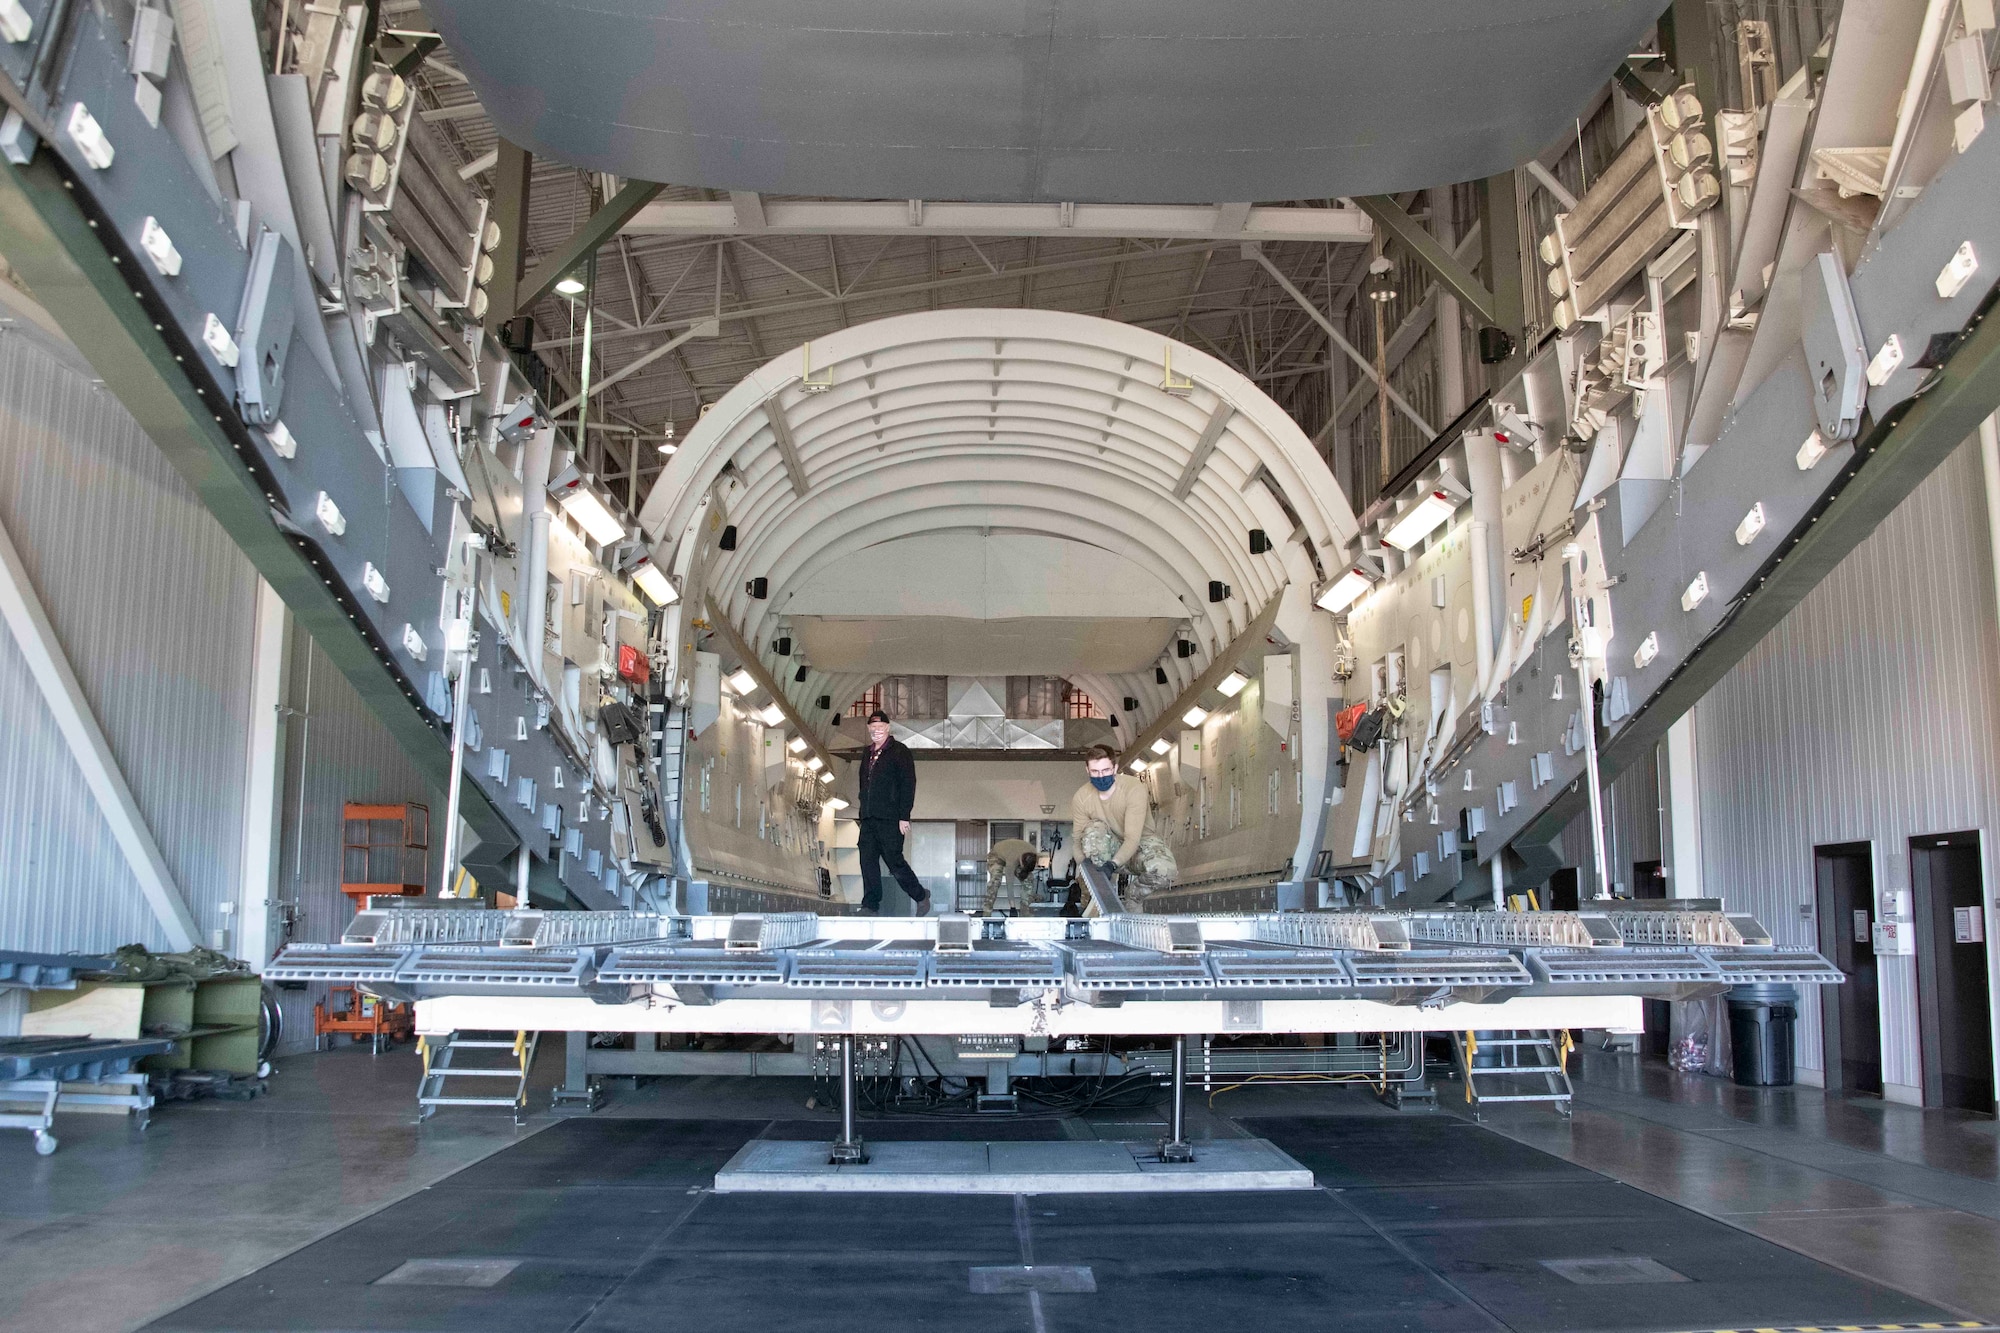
(1103, 783)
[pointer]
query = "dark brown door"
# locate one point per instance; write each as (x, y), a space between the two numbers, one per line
(1950, 915)
(1562, 890)
(1851, 1014)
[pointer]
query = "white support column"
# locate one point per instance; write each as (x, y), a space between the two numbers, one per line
(21, 606)
(1449, 343)
(263, 777)
(1680, 804)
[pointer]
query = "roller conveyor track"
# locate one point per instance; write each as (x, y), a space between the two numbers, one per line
(1102, 966)
(692, 965)
(1246, 964)
(1455, 969)
(831, 968)
(1001, 968)
(1749, 967)
(1203, 958)
(1621, 967)
(336, 962)
(526, 969)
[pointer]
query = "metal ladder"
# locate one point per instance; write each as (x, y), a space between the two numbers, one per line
(1544, 1056)
(441, 1063)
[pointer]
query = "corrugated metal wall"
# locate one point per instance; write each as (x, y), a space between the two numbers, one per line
(1872, 712)
(153, 605)
(1631, 831)
(336, 751)
(155, 608)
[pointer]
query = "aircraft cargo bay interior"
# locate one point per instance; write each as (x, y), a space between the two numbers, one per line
(1081, 666)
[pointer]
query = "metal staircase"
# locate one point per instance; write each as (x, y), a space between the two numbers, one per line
(1531, 1067)
(442, 1062)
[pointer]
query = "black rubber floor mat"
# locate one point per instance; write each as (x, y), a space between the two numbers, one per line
(1355, 1150)
(611, 1154)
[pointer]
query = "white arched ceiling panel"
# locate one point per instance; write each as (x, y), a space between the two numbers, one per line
(977, 421)
(973, 574)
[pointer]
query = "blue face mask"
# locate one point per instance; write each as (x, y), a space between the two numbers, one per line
(1104, 784)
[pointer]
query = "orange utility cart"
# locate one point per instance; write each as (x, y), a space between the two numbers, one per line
(378, 1021)
(385, 849)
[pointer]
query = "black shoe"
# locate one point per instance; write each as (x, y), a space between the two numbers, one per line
(922, 907)
(871, 911)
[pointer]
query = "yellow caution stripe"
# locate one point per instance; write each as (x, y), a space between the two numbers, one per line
(1962, 1326)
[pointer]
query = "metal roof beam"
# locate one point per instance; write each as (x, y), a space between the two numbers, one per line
(598, 228)
(899, 289)
(751, 214)
(1432, 254)
(1340, 341)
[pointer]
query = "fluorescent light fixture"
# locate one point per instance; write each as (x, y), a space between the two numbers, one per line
(1232, 684)
(1344, 591)
(742, 682)
(815, 764)
(772, 716)
(1195, 716)
(1162, 745)
(1137, 766)
(1697, 592)
(797, 745)
(826, 776)
(597, 520)
(654, 584)
(1421, 521)
(834, 803)
(569, 286)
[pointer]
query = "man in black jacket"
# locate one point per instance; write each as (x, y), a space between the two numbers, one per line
(888, 791)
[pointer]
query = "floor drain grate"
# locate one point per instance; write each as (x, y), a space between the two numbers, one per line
(1013, 1278)
(448, 1273)
(1621, 1270)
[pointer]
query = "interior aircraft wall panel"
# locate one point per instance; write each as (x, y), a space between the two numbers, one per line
(336, 750)
(153, 605)
(725, 785)
(1871, 713)
(1219, 818)
(996, 789)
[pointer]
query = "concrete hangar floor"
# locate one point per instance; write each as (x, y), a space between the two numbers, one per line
(1667, 1204)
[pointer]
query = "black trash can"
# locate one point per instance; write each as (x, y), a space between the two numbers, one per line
(1761, 1019)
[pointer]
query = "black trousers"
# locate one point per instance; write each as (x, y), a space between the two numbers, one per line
(882, 844)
